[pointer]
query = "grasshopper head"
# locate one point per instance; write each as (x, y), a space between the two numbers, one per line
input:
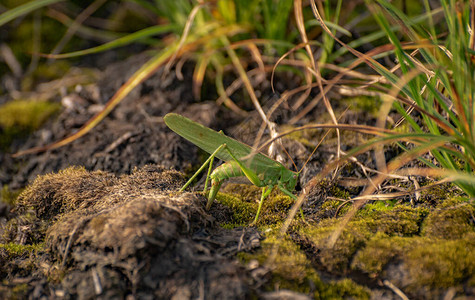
(289, 180)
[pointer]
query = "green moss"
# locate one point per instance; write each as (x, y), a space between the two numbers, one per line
(14, 250)
(8, 196)
(399, 220)
(365, 103)
(404, 127)
(338, 257)
(434, 263)
(304, 137)
(243, 200)
(442, 263)
(450, 202)
(380, 206)
(26, 113)
(247, 192)
(440, 193)
(344, 289)
(378, 252)
(243, 212)
(21, 117)
(330, 205)
(338, 192)
(450, 222)
(20, 289)
(291, 266)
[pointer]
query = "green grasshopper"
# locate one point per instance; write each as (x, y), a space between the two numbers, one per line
(241, 160)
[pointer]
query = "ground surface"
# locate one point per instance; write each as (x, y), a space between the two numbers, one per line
(116, 226)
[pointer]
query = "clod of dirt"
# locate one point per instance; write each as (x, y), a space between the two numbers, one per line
(133, 235)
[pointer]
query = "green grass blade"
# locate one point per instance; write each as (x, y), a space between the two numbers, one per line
(120, 41)
(331, 25)
(24, 9)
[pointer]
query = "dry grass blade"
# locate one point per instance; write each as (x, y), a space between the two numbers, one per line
(328, 106)
(410, 172)
(199, 74)
(9, 58)
(301, 27)
(257, 56)
(247, 84)
(295, 48)
(225, 93)
(185, 34)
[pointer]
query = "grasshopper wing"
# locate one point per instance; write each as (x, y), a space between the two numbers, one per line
(209, 140)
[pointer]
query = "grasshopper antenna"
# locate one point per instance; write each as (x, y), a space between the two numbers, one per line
(290, 157)
(314, 149)
(321, 141)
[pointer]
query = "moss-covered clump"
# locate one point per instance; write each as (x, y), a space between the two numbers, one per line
(21, 117)
(291, 269)
(422, 263)
(51, 195)
(378, 252)
(439, 256)
(400, 220)
(452, 222)
(337, 258)
(413, 247)
(442, 263)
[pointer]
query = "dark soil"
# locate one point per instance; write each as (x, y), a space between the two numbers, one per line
(117, 228)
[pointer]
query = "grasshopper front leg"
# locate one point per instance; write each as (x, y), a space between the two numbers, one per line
(288, 193)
